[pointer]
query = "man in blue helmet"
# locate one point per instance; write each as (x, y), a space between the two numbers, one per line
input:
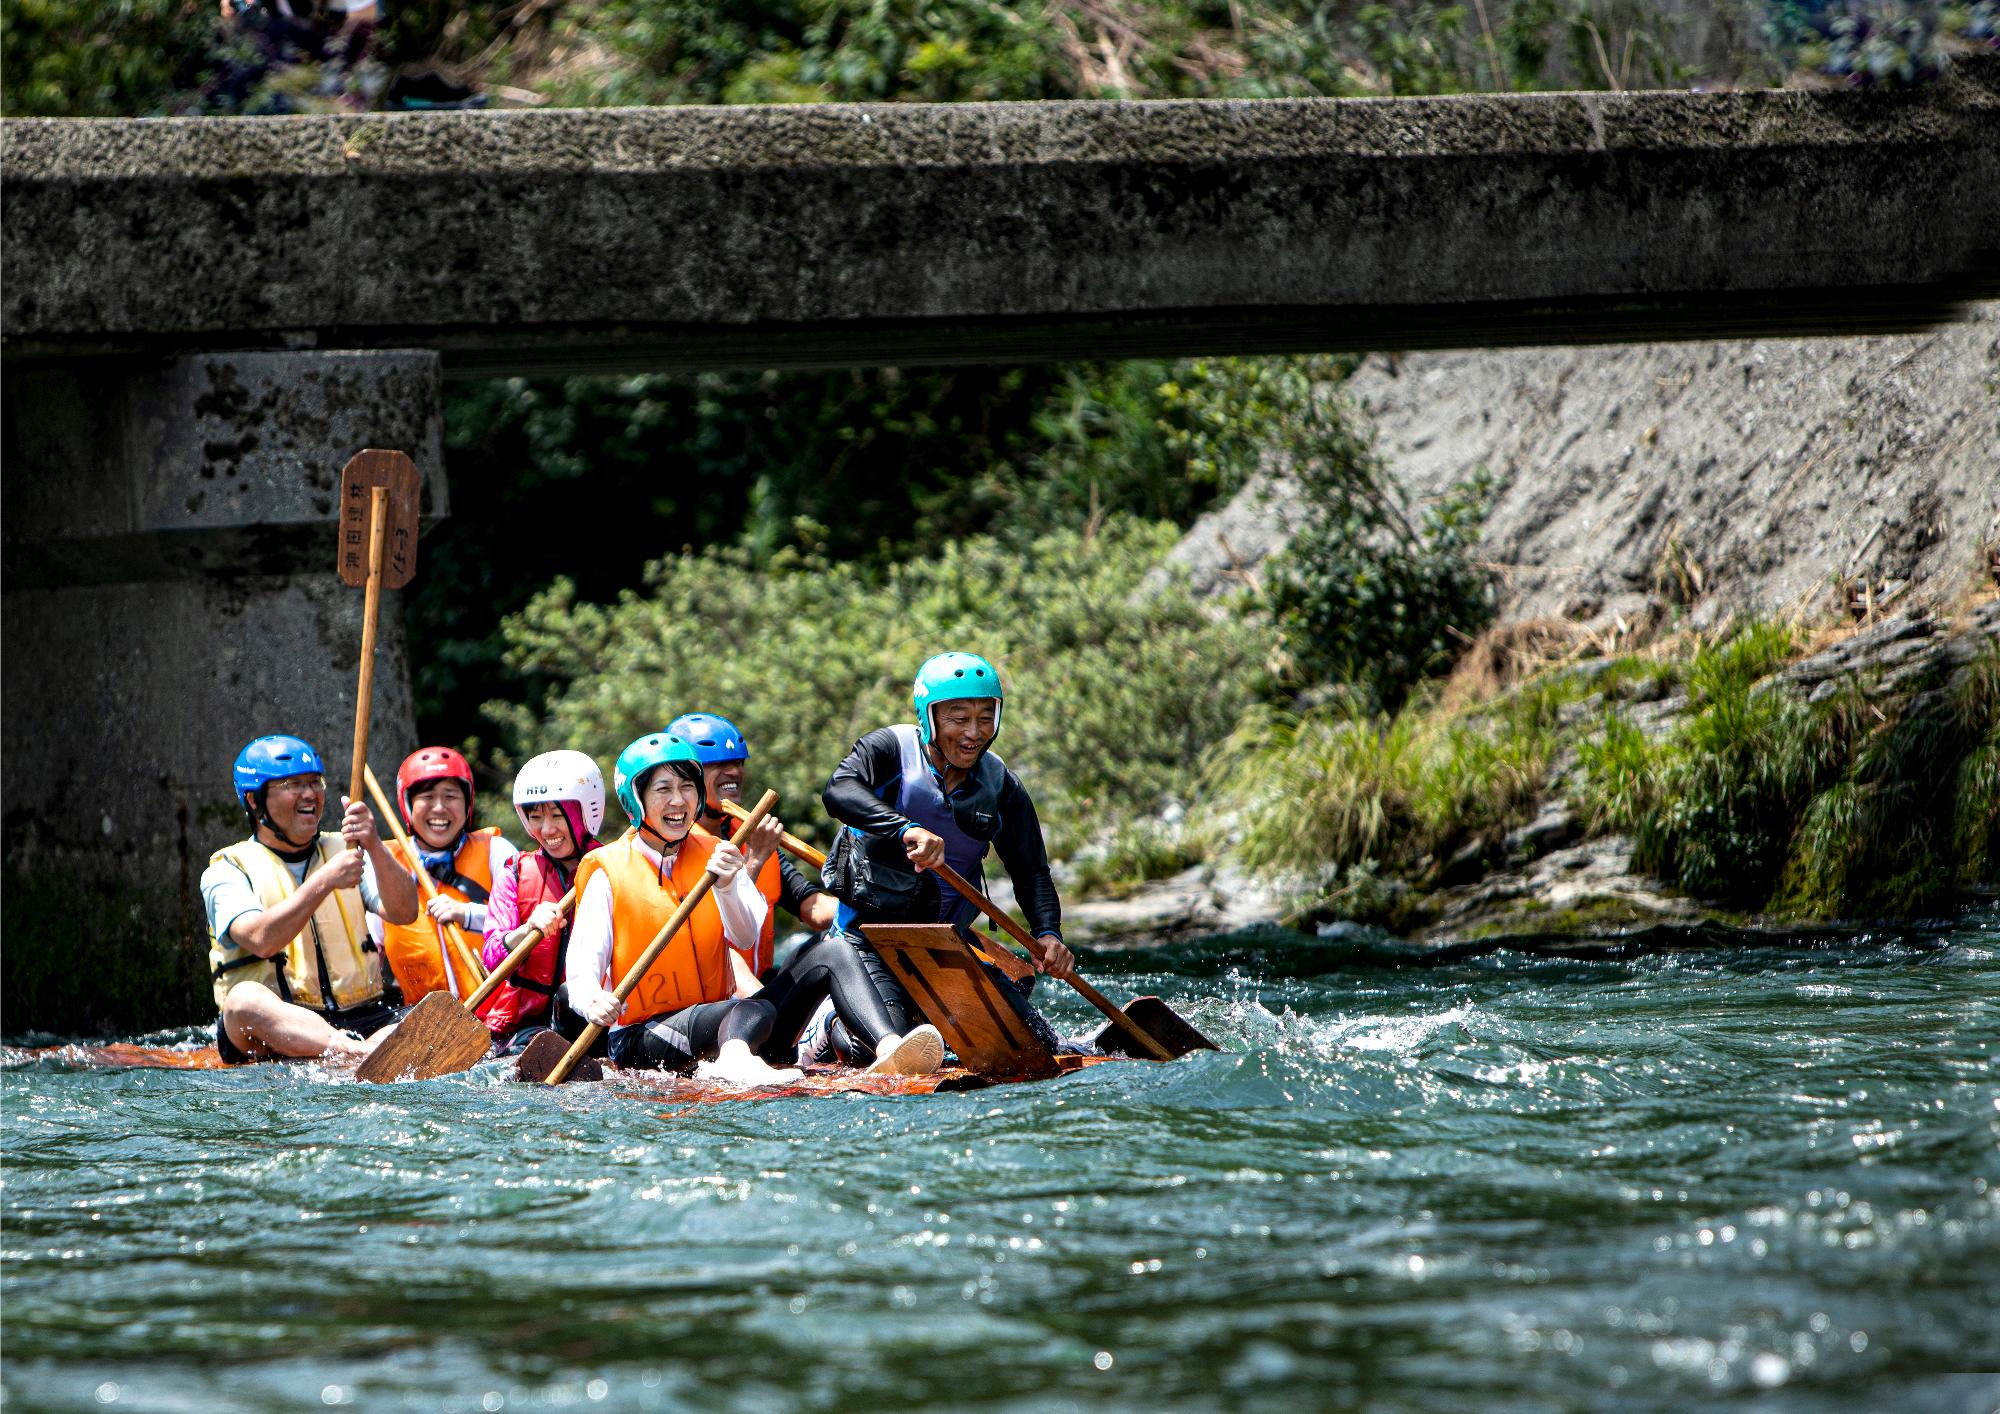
(296, 972)
(723, 752)
(918, 794)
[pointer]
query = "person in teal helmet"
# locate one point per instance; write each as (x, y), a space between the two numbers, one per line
(933, 791)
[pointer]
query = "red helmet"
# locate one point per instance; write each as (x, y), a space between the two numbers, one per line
(431, 763)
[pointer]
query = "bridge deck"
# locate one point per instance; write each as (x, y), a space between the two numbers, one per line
(713, 237)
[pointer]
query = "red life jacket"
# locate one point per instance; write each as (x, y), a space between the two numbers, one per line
(523, 999)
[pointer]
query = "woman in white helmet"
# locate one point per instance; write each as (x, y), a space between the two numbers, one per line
(559, 796)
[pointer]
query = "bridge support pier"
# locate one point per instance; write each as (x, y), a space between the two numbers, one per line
(156, 618)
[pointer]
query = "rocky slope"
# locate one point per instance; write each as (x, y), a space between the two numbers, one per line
(1760, 476)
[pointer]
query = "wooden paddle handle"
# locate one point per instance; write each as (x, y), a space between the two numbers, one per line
(789, 840)
(630, 982)
(1117, 1017)
(516, 956)
(999, 957)
(371, 608)
(424, 885)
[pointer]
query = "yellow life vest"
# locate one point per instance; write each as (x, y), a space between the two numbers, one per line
(334, 945)
(694, 968)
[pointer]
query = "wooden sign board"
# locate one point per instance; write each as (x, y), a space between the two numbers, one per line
(396, 472)
(959, 996)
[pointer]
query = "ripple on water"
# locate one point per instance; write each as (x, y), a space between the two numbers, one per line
(1503, 1180)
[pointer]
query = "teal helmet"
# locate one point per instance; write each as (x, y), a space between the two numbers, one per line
(954, 677)
(658, 749)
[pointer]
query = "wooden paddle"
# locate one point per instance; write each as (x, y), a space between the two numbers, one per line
(377, 550)
(630, 982)
(1130, 1029)
(442, 1035)
(425, 885)
(1010, 966)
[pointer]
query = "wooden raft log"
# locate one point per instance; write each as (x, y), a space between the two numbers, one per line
(959, 995)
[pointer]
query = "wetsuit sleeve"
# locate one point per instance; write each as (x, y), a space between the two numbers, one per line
(742, 906)
(851, 796)
(1026, 857)
(503, 912)
(794, 886)
(589, 943)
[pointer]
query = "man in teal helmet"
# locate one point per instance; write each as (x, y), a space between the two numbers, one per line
(915, 795)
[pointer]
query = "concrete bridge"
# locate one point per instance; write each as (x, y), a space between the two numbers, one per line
(200, 320)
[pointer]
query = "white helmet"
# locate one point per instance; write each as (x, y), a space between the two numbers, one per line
(562, 776)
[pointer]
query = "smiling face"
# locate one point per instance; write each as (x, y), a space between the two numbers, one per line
(550, 828)
(962, 730)
(437, 813)
(725, 781)
(670, 801)
(295, 807)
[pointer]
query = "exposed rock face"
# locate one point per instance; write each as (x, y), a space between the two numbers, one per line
(1735, 476)
(1744, 476)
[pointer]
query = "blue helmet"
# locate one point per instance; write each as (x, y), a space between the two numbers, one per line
(638, 759)
(713, 738)
(954, 677)
(273, 758)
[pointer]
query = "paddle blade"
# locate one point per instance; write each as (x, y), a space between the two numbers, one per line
(437, 1037)
(1157, 1020)
(541, 1056)
(396, 472)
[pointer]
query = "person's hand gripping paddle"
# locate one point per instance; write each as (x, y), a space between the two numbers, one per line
(630, 982)
(1157, 1032)
(443, 1035)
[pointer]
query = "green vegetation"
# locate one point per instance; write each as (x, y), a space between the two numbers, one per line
(1338, 796)
(1863, 806)
(1120, 692)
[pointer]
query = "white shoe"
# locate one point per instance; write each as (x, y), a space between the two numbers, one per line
(738, 1065)
(919, 1053)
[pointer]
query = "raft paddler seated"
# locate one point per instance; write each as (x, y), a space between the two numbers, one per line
(296, 972)
(694, 1006)
(914, 795)
(434, 791)
(559, 796)
(724, 753)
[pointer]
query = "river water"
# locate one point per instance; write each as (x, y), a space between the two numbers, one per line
(1502, 1182)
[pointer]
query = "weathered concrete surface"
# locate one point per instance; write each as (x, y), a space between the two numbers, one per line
(146, 637)
(1700, 478)
(211, 465)
(705, 237)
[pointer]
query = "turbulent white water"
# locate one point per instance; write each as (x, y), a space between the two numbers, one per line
(1504, 1182)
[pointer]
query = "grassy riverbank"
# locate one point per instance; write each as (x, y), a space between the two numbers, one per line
(1874, 801)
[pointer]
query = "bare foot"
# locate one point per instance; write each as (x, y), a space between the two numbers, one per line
(737, 1064)
(919, 1053)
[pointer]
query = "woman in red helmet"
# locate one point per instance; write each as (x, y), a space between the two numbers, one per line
(434, 792)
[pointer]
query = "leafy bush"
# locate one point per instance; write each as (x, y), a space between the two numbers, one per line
(1861, 806)
(97, 58)
(1113, 697)
(1371, 592)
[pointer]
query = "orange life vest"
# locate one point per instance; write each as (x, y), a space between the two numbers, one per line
(418, 952)
(694, 966)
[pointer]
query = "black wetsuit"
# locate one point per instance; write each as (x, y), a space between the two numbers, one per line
(865, 996)
(681, 1039)
(863, 792)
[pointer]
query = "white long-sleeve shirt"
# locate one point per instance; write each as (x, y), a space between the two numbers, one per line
(588, 969)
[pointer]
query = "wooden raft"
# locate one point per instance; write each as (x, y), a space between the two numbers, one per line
(959, 995)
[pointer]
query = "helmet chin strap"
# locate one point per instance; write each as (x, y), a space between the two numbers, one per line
(262, 816)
